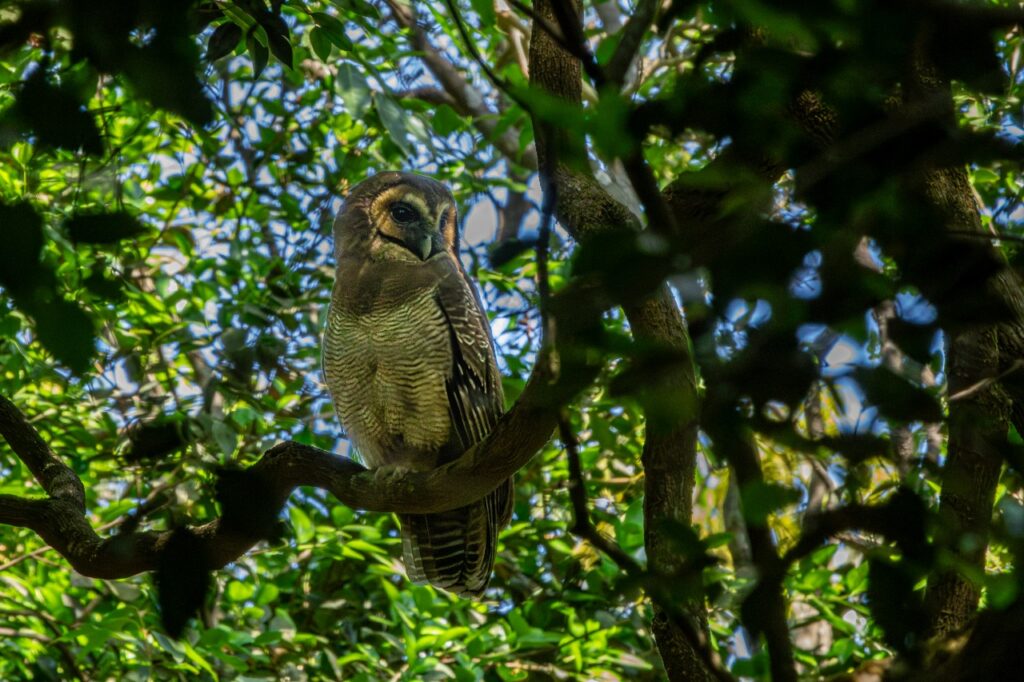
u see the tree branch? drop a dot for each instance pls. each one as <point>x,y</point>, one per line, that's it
<point>632,36</point>
<point>469,100</point>
<point>56,478</point>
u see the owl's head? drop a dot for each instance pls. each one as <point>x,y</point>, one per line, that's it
<point>397,216</point>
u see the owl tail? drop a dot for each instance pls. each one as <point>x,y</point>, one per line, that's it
<point>454,550</point>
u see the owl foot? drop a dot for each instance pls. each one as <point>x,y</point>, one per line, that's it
<point>390,475</point>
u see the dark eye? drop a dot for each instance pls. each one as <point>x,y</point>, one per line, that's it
<point>444,219</point>
<point>403,212</point>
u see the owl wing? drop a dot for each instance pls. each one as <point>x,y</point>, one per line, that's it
<point>475,399</point>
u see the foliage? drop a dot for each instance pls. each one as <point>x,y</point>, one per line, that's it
<point>168,177</point>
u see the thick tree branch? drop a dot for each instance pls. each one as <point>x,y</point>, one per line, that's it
<point>56,478</point>
<point>669,455</point>
<point>283,468</point>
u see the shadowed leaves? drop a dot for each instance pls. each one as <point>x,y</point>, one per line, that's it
<point>897,398</point>
<point>182,580</point>
<point>56,116</point>
<point>102,228</point>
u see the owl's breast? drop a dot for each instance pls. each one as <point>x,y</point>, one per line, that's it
<point>386,367</point>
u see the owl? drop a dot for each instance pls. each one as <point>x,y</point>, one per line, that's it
<point>409,361</point>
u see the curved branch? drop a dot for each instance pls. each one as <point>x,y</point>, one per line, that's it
<point>57,479</point>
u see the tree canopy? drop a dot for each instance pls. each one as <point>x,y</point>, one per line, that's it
<point>753,271</point>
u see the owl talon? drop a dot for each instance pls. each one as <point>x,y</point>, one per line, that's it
<point>388,474</point>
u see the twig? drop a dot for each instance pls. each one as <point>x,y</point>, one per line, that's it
<point>988,381</point>
<point>632,36</point>
<point>457,87</point>
<point>584,528</point>
<point>497,80</point>
<point>582,525</point>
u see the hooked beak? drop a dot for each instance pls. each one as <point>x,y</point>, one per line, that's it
<point>413,238</point>
<point>423,247</point>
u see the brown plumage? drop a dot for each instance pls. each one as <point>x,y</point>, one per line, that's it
<point>409,362</point>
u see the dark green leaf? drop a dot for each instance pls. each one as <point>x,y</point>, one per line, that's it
<point>762,499</point>
<point>223,41</point>
<point>259,53</point>
<point>896,606</point>
<point>504,251</point>
<point>360,7</point>
<point>157,439</point>
<point>281,48</point>
<point>21,233</point>
<point>897,398</point>
<point>56,116</point>
<point>320,43</point>
<point>104,287</point>
<point>102,228</point>
<point>334,30</point>
<point>66,331</point>
<point>243,496</point>
<point>182,579</point>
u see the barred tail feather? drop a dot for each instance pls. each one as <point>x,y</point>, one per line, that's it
<point>455,550</point>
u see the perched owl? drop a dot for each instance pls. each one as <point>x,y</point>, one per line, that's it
<point>409,362</point>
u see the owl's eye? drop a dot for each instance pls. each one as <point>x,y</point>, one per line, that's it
<point>444,220</point>
<point>403,212</point>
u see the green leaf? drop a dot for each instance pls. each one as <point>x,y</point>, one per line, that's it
<point>259,53</point>
<point>225,436</point>
<point>485,10</point>
<point>238,591</point>
<point>446,121</point>
<point>223,41</point>
<point>394,119</point>
<point>281,48</point>
<point>302,524</point>
<point>351,86</point>
<point>334,30</point>
<point>102,228</point>
<point>320,43</point>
